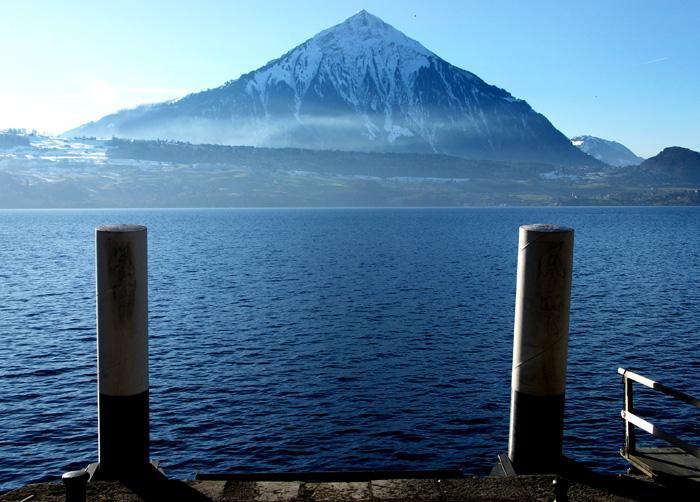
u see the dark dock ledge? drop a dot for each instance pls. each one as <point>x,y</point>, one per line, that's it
<point>575,487</point>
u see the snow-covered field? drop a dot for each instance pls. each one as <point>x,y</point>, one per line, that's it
<point>54,159</point>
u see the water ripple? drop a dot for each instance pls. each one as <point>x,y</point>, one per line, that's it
<point>331,339</point>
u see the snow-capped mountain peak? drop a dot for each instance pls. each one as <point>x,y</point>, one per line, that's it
<point>359,85</point>
<point>363,31</point>
<point>346,53</point>
<point>611,152</point>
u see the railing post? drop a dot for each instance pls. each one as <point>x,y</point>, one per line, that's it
<point>122,352</point>
<point>543,293</point>
<point>630,439</point>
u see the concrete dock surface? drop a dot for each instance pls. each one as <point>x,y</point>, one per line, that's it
<point>515,488</point>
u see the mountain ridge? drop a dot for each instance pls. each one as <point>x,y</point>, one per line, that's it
<point>610,152</point>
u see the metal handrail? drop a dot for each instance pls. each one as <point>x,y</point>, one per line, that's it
<point>632,420</point>
<point>652,384</point>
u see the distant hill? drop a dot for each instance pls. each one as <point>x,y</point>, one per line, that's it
<point>361,85</point>
<point>672,165</point>
<point>607,151</point>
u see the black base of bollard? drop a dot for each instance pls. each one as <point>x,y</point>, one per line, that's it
<point>123,431</point>
<point>536,433</point>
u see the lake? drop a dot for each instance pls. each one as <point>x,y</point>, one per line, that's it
<point>319,339</point>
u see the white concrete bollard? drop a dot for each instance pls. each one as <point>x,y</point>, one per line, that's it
<point>122,351</point>
<point>543,295</point>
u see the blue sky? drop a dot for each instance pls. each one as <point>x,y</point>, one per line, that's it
<point>619,69</point>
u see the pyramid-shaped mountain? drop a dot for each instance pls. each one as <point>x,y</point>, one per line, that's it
<point>361,85</point>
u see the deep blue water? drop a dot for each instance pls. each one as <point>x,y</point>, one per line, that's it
<point>337,339</point>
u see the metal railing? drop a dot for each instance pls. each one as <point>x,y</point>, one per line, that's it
<point>632,420</point>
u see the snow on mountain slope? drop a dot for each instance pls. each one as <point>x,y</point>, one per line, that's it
<point>364,45</point>
<point>610,152</point>
<point>359,85</point>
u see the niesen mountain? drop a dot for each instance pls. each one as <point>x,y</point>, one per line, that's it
<point>359,86</point>
<point>610,152</point>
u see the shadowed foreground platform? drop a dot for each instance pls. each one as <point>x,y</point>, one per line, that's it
<point>518,488</point>
<point>670,465</point>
